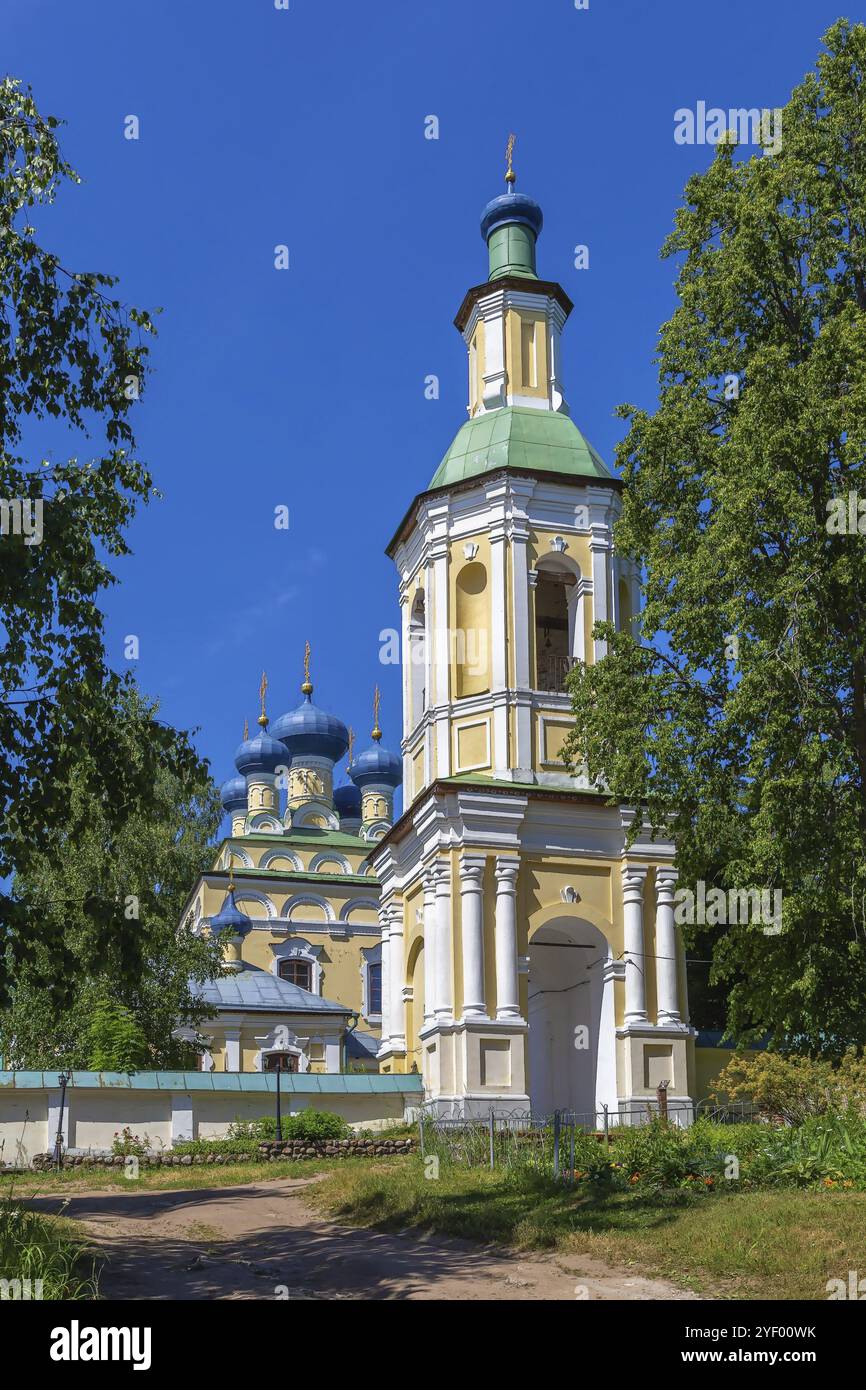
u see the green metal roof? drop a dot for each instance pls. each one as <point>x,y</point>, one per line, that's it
<point>313,1083</point>
<point>519,437</point>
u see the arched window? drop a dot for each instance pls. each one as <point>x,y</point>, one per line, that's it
<point>471,640</point>
<point>297,972</point>
<point>280,1061</point>
<point>552,652</point>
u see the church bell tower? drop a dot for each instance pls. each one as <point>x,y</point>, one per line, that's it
<point>505,563</point>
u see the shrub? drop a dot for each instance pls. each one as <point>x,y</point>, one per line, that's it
<point>792,1089</point>
<point>125,1142</point>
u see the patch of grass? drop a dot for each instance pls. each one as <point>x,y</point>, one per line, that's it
<point>765,1245</point>
<point>47,1251</point>
<point>72,1180</point>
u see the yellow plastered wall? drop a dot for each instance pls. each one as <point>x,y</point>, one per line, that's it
<point>472,744</point>
<point>526,353</point>
<point>709,1063</point>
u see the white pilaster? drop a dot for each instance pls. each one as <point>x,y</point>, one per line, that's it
<point>666,950</point>
<point>499,644</point>
<point>182,1118</point>
<point>396,1003</point>
<point>472,928</point>
<point>599,546</point>
<point>507,994</point>
<point>444,962</point>
<point>429,944</point>
<point>633,878</point>
<point>386,979</point>
<point>233,1049</point>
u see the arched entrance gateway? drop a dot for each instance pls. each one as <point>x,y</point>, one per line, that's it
<point>572,1042</point>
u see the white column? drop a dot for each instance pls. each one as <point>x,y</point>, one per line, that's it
<point>396,1003</point>
<point>507,994</point>
<point>429,910</point>
<point>472,928</point>
<point>386,978</point>
<point>633,878</point>
<point>444,963</point>
<point>599,546</point>
<point>666,949</point>
<point>233,1049</point>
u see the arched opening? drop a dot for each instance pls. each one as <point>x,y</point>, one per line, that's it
<point>572,1063</point>
<point>417,656</point>
<point>554,625</point>
<point>470,641</point>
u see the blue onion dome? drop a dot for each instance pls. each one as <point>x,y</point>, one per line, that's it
<point>311,731</point>
<point>233,794</point>
<point>230,918</point>
<point>508,209</point>
<point>377,765</point>
<point>263,753</point>
<point>347,802</point>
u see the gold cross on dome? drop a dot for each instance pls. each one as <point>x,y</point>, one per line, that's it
<point>510,176</point>
<point>263,687</point>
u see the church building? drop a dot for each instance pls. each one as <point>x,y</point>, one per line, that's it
<point>499,936</point>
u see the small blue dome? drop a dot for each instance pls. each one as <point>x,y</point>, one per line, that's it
<point>347,802</point>
<point>309,730</point>
<point>376,764</point>
<point>261,754</point>
<point>511,207</point>
<point>233,794</point>
<point>230,918</point>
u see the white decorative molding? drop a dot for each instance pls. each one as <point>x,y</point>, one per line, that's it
<point>470,550</point>
<point>307,900</point>
<point>570,895</point>
<point>558,543</point>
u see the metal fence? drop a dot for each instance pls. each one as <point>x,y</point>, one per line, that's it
<point>512,1139</point>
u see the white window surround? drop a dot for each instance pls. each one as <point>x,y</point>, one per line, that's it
<point>281,1039</point>
<point>272,854</point>
<point>353,905</point>
<point>250,895</point>
<point>308,900</point>
<point>328,857</point>
<point>298,949</point>
<point>370,955</point>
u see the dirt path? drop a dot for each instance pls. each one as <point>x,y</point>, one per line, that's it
<point>263,1241</point>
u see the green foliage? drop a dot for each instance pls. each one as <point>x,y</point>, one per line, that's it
<point>114,1038</point>
<point>307,1124</point>
<point>793,1089</point>
<point>73,361</point>
<point>245,1136</point>
<point>736,715</point>
<point>137,967</point>
<point>42,1248</point>
<point>125,1142</point>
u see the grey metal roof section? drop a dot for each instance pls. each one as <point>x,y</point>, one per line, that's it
<point>364,1045</point>
<point>251,989</point>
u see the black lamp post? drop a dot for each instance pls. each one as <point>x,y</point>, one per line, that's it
<point>278,1068</point>
<point>64,1079</point>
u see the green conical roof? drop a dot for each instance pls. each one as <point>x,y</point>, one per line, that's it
<point>519,437</point>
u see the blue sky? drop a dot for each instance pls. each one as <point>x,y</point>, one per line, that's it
<point>305,387</point>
